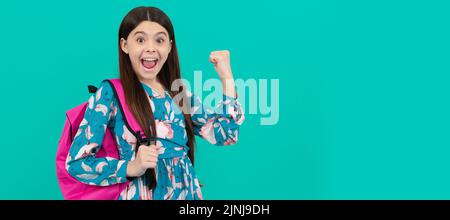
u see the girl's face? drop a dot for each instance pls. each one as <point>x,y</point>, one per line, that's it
<point>148,46</point>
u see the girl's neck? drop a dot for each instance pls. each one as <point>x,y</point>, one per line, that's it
<point>152,83</point>
<point>155,85</point>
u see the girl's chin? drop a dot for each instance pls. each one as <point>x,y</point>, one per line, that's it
<point>148,75</point>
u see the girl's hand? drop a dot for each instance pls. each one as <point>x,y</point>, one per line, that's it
<point>221,61</point>
<point>146,157</point>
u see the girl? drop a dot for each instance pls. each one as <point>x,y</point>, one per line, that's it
<point>148,63</point>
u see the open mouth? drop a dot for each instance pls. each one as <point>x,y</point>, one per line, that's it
<point>149,63</point>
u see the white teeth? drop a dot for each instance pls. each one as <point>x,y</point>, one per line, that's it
<point>150,59</point>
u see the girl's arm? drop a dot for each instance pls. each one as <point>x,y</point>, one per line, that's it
<point>81,162</point>
<point>219,127</point>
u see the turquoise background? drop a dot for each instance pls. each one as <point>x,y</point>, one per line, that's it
<point>364,87</point>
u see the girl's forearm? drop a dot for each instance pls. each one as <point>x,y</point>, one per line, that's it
<point>229,87</point>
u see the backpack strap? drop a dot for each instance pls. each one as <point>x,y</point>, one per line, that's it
<point>129,120</point>
<point>132,125</point>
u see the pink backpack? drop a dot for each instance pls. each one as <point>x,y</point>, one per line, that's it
<point>71,188</point>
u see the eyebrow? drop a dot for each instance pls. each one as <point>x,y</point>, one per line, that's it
<point>142,32</point>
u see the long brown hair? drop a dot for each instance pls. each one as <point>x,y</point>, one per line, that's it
<point>135,94</point>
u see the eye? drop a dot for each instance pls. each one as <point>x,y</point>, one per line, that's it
<point>160,40</point>
<point>140,40</point>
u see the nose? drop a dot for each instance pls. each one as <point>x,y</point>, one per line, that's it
<point>150,48</point>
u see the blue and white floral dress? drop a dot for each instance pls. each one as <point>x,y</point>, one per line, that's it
<point>176,178</point>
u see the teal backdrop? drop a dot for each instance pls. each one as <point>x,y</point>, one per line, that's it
<point>363,100</point>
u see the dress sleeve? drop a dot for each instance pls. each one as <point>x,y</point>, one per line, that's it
<point>219,126</point>
<point>81,161</point>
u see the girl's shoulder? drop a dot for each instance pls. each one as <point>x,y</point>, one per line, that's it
<point>104,94</point>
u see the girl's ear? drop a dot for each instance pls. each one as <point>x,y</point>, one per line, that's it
<point>123,45</point>
<point>170,47</point>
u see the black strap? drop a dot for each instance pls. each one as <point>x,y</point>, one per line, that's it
<point>92,89</point>
<point>150,174</point>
